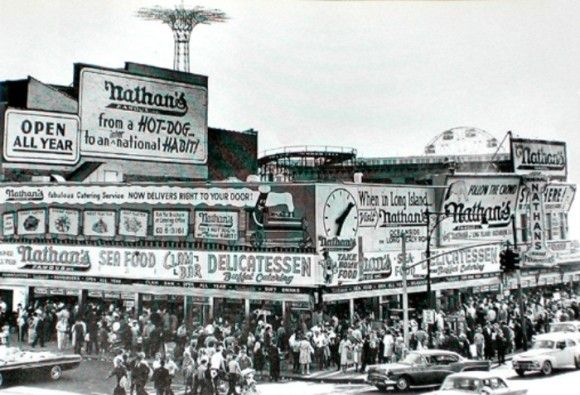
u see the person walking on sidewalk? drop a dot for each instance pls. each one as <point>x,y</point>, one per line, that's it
<point>161,380</point>
<point>79,331</point>
<point>61,334</point>
<point>306,351</point>
<point>274,354</point>
<point>140,374</point>
<point>234,374</point>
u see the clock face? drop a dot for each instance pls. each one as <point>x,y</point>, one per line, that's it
<point>340,214</point>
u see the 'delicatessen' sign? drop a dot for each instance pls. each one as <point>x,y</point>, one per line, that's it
<point>251,268</point>
<point>41,137</point>
<point>135,117</point>
<point>547,157</point>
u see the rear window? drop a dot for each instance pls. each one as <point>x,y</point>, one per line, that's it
<point>563,328</point>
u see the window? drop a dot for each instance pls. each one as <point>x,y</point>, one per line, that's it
<point>561,344</point>
<point>549,226</point>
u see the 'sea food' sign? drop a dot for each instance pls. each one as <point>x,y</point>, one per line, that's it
<point>41,137</point>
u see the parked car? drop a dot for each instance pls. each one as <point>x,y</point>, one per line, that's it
<point>481,383</point>
<point>565,326</point>
<point>427,368</point>
<point>15,362</point>
<point>555,350</point>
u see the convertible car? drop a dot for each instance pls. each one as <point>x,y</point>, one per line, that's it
<point>480,383</point>
<point>14,362</point>
<point>427,368</point>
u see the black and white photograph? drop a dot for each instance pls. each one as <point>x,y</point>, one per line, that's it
<point>271,197</point>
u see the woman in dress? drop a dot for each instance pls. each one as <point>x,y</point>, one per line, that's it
<point>305,358</point>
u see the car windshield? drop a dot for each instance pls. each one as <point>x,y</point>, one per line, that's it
<point>412,358</point>
<point>563,328</point>
<point>460,383</point>
<point>543,344</point>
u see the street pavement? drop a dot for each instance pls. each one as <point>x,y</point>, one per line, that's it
<point>91,379</point>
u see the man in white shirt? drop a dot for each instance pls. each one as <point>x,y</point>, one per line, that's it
<point>389,343</point>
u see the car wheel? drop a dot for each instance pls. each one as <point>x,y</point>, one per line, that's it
<point>382,388</point>
<point>520,372</point>
<point>403,383</point>
<point>547,368</point>
<point>55,373</point>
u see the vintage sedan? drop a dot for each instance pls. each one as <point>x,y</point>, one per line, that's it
<point>15,362</point>
<point>427,368</point>
<point>480,383</point>
<point>554,350</point>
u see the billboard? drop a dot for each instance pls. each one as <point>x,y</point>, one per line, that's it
<point>41,137</point>
<point>86,263</point>
<point>468,200</point>
<point>356,220</point>
<point>547,157</point>
<point>134,117</point>
<point>386,267</point>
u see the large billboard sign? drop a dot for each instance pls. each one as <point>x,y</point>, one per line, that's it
<point>478,208</point>
<point>547,157</point>
<point>386,267</point>
<point>359,228</point>
<point>41,137</point>
<point>134,117</point>
<point>240,268</point>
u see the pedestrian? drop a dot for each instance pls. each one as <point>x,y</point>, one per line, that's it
<point>389,346</point>
<point>79,332</point>
<point>140,374</point>
<point>122,386</point>
<point>274,354</point>
<point>306,351</point>
<point>161,380</point>
<point>234,374</point>
<point>61,334</point>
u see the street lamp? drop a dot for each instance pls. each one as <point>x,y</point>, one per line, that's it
<point>443,216</point>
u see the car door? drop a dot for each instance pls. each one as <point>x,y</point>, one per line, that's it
<point>562,354</point>
<point>423,372</point>
<point>570,352</point>
<point>442,367</point>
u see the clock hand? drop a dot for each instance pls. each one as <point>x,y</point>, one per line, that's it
<point>340,220</point>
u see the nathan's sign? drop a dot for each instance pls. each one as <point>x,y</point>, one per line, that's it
<point>538,249</point>
<point>130,116</point>
<point>155,265</point>
<point>41,137</point>
<point>547,157</point>
<point>478,208</point>
<point>53,258</point>
<point>216,225</point>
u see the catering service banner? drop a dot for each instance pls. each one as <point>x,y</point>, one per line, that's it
<point>532,156</point>
<point>478,208</point>
<point>135,117</point>
<point>276,269</point>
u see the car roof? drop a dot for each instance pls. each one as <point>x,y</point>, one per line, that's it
<point>476,374</point>
<point>577,323</point>
<point>558,336</point>
<point>436,352</point>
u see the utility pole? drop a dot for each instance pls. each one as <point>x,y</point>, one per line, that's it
<point>520,291</point>
<point>405,294</point>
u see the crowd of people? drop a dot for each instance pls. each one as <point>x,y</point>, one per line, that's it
<point>158,345</point>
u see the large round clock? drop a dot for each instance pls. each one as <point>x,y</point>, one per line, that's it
<point>340,214</point>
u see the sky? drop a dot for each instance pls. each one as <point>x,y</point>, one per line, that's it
<point>384,77</point>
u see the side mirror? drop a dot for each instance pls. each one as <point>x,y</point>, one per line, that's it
<point>485,391</point>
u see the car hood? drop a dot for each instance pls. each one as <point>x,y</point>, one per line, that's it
<point>534,353</point>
